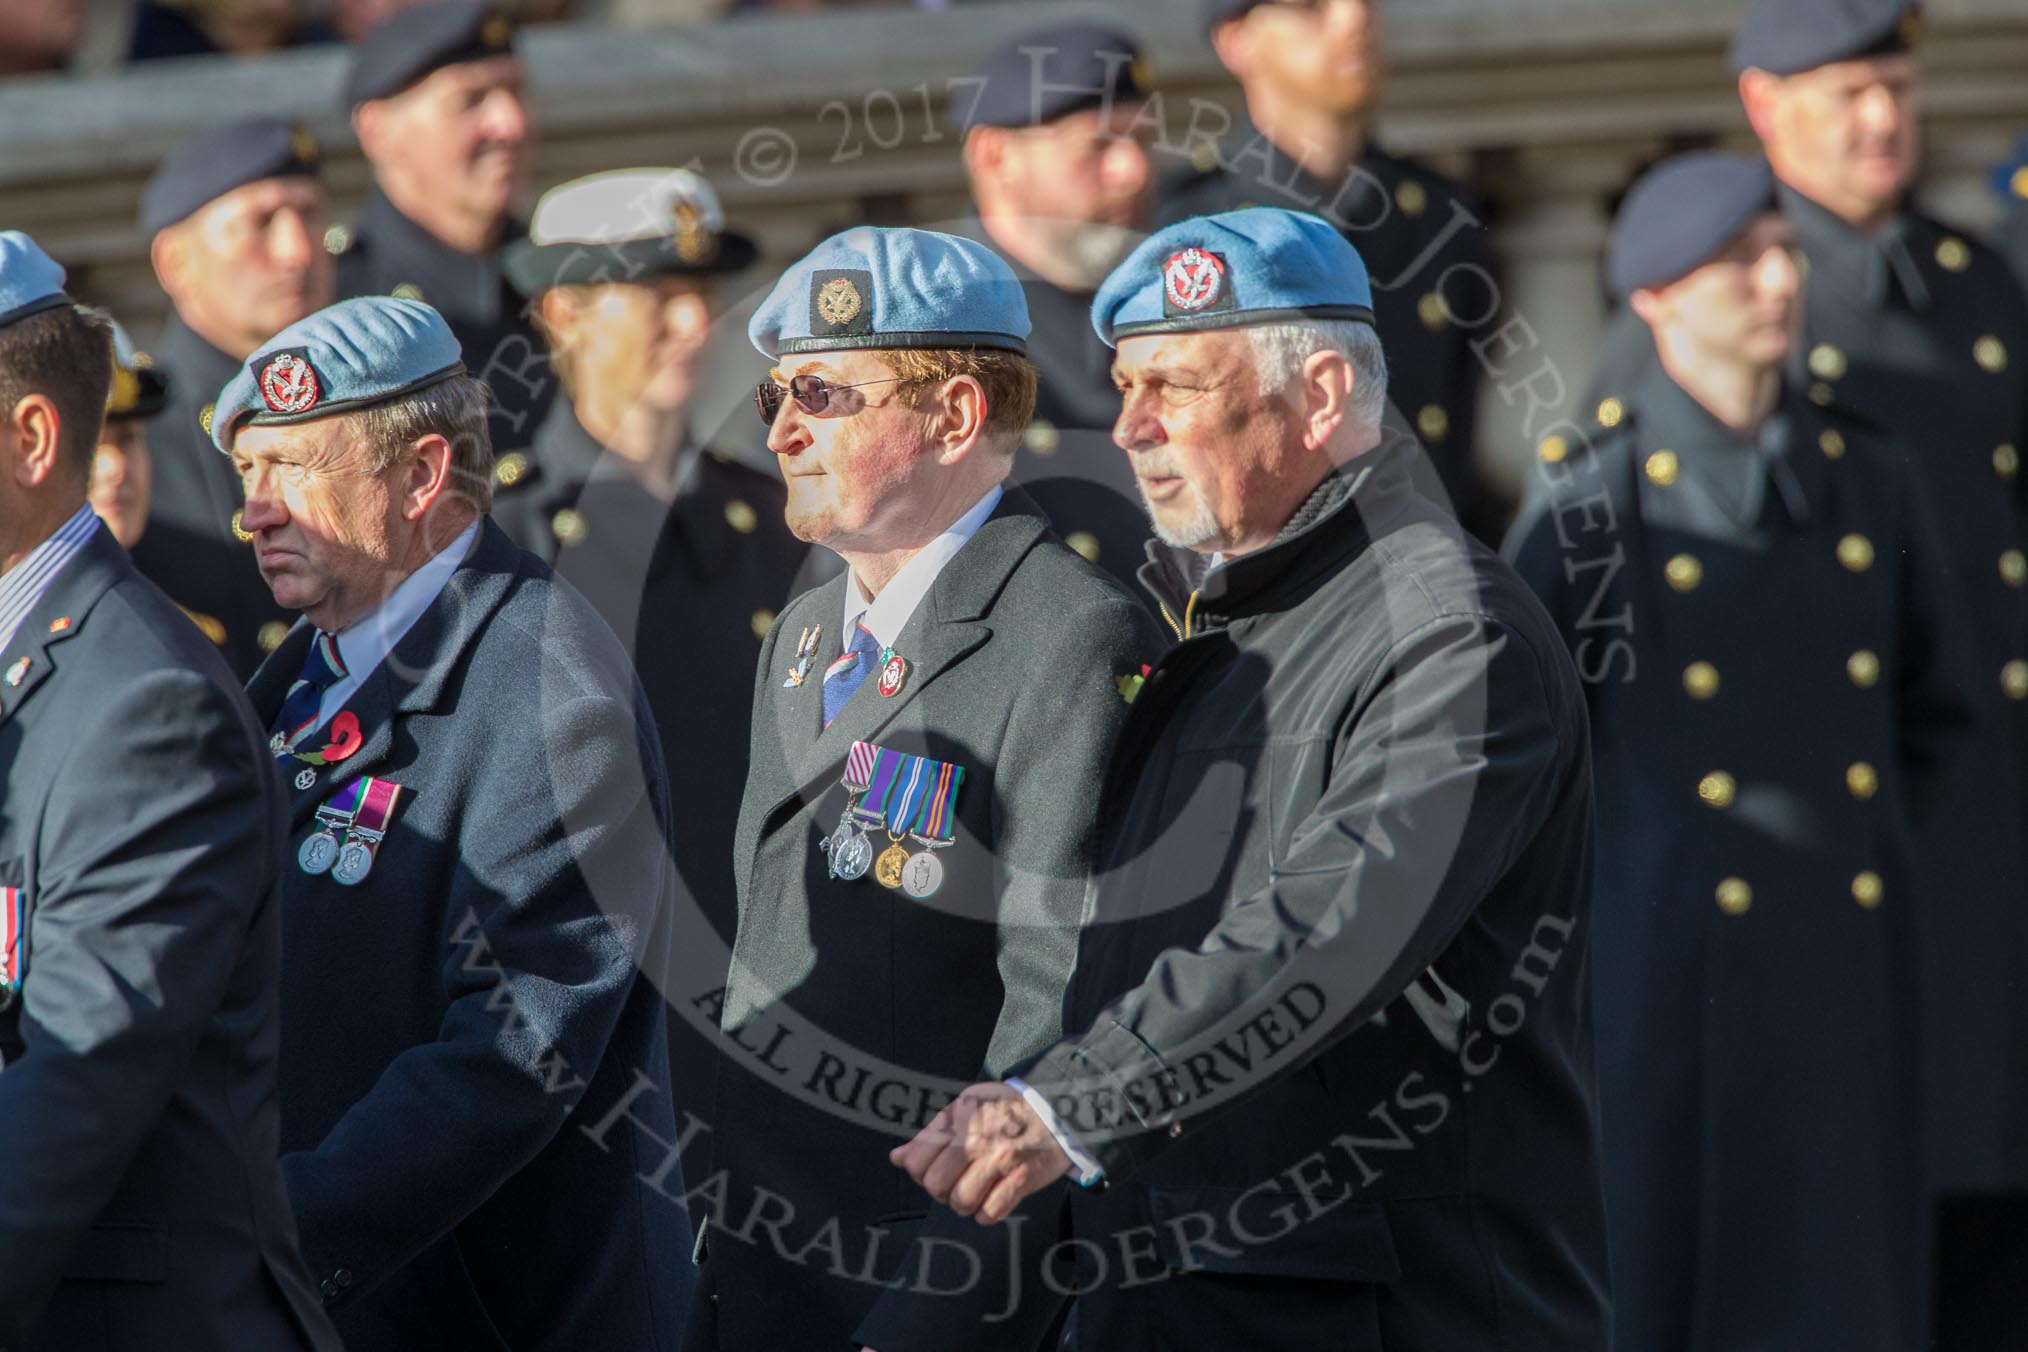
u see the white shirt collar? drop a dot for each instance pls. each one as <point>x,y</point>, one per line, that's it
<point>365,643</point>
<point>886,614</point>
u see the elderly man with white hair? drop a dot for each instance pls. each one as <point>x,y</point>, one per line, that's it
<point>1328,1080</point>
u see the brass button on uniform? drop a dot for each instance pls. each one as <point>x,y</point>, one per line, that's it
<point>2006,461</point>
<point>510,468</point>
<point>406,291</point>
<point>1684,572</point>
<point>1831,443</point>
<point>1204,157</point>
<point>204,417</point>
<point>1953,254</point>
<point>239,532</point>
<point>1553,449</point>
<point>1662,468</point>
<point>1734,896</point>
<point>1085,543</point>
<point>741,516</point>
<point>2013,568</point>
<point>569,527</point>
<point>1867,889</point>
<point>1820,394</point>
<point>1432,311</point>
<point>1827,362</point>
<point>1855,551</point>
<point>763,620</point>
<point>1700,680</point>
<point>1411,197</point>
<point>1862,780</point>
<point>1864,668</point>
<point>1717,789</point>
<point>1610,412</point>
<point>1042,437</point>
<point>2014,679</point>
<point>1991,354</point>
<point>270,635</point>
<point>1433,422</point>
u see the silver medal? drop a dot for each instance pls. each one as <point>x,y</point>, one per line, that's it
<point>922,875</point>
<point>318,853</point>
<point>355,861</point>
<point>852,856</point>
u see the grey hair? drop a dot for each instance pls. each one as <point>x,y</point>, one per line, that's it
<point>454,409</point>
<point>1279,351</point>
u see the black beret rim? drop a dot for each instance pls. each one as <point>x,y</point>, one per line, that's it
<point>1235,319</point>
<point>1098,98</point>
<point>153,223</point>
<point>535,268</point>
<point>1622,285</point>
<point>269,418</point>
<point>1225,13</point>
<point>366,80</point>
<point>875,342</point>
<point>35,307</point>
<point>1883,41</point>
<point>153,397</point>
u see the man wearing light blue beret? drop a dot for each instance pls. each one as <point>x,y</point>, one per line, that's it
<point>141,1205</point>
<point>930,730</point>
<point>1327,1080</point>
<point>477,870</point>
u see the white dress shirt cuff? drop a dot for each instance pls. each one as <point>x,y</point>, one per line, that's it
<point>1087,1169</point>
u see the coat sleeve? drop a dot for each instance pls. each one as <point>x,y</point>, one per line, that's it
<point>158,849</point>
<point>564,877</point>
<point>1450,759</point>
<point>1048,778</point>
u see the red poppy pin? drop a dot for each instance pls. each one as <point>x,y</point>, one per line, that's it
<point>345,739</point>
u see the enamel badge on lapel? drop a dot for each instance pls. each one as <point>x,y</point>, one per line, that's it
<point>893,671</point>
<point>18,673</point>
<point>59,624</point>
<point>806,653</point>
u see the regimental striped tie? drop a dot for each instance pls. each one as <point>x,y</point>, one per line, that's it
<point>322,669</point>
<point>850,671</point>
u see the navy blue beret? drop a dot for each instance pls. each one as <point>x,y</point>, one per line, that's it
<point>1682,212</point>
<point>870,288</point>
<point>139,390</point>
<point>1217,12</point>
<point>213,163</point>
<point>348,356</point>
<point>1051,73</point>
<point>30,280</point>
<point>1787,37</point>
<point>1263,265</point>
<point>415,42</point>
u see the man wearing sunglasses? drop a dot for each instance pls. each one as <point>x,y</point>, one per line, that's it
<point>946,705</point>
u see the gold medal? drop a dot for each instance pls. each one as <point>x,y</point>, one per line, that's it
<point>887,869</point>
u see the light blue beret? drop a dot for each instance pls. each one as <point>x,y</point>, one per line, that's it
<point>30,280</point>
<point>1262,265</point>
<point>877,288</point>
<point>345,357</point>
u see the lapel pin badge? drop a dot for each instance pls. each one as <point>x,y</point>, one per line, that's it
<point>17,673</point>
<point>59,624</point>
<point>893,672</point>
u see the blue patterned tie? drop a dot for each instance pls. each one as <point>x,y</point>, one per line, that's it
<point>850,671</point>
<point>322,669</point>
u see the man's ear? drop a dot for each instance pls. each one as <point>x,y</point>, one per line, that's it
<point>959,423</point>
<point>369,126</point>
<point>1757,89</point>
<point>1327,385</point>
<point>557,311</point>
<point>1234,48</point>
<point>34,439</point>
<point>429,479</point>
<point>169,254</point>
<point>1646,305</point>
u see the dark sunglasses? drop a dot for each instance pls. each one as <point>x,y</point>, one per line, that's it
<point>811,393</point>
